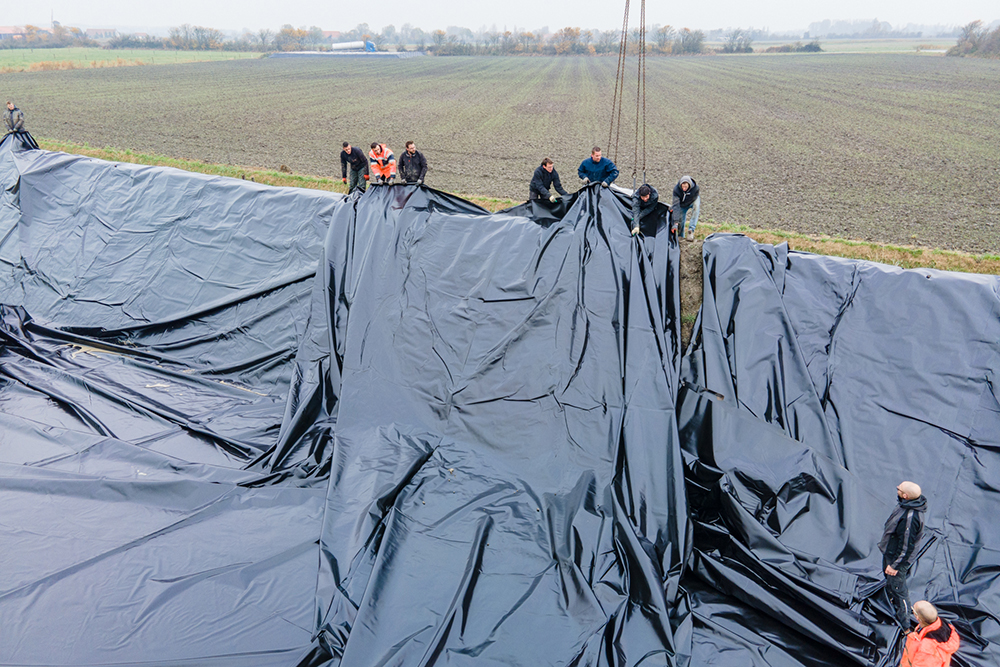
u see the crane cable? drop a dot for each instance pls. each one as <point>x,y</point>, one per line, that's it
<point>640,92</point>
<point>618,99</point>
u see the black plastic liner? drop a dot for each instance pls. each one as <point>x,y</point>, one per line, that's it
<point>813,387</point>
<point>244,425</point>
<point>454,441</point>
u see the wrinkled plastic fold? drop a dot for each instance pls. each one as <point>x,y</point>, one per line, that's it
<point>813,387</point>
<point>247,425</point>
<point>253,425</point>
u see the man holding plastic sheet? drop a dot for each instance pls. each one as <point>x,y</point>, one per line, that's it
<point>546,176</point>
<point>687,196</point>
<point>644,202</point>
<point>597,169</point>
<point>382,163</point>
<point>13,118</point>
<point>412,165</point>
<point>899,546</point>
<point>932,643</point>
<point>355,157</point>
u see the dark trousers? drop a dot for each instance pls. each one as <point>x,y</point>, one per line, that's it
<point>357,180</point>
<point>899,594</point>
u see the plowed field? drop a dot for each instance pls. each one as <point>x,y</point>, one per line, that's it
<point>890,148</point>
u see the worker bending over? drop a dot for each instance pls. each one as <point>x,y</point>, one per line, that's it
<point>355,157</point>
<point>644,202</point>
<point>687,197</point>
<point>597,169</point>
<point>412,165</point>
<point>545,177</point>
<point>382,163</point>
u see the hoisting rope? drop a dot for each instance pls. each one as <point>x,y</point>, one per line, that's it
<point>618,99</point>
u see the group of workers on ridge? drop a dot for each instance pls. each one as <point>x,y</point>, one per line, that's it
<point>599,169</point>
<point>933,641</point>
<point>380,166</point>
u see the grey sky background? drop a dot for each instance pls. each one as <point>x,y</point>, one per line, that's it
<point>781,15</point>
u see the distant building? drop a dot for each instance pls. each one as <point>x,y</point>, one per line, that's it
<point>101,33</point>
<point>10,32</point>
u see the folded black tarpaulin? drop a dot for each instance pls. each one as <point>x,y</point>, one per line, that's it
<point>244,425</point>
<point>252,425</point>
<point>815,385</point>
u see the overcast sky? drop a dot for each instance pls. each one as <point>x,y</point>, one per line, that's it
<point>778,15</point>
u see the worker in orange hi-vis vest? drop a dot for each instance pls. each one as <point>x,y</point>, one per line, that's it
<point>382,163</point>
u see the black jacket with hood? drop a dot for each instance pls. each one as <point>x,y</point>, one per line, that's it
<point>357,159</point>
<point>13,119</point>
<point>645,207</point>
<point>412,168</point>
<point>684,199</point>
<point>542,180</point>
<point>902,532</point>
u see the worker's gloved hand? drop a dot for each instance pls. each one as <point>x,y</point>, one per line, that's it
<point>390,180</point>
<point>586,182</point>
<point>344,180</point>
<point>553,199</point>
<point>635,231</point>
<point>603,184</point>
<point>420,181</point>
<point>378,180</point>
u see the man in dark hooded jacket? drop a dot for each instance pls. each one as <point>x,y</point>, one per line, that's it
<point>644,201</point>
<point>358,161</point>
<point>898,545</point>
<point>687,196</point>
<point>546,176</point>
<point>412,165</point>
<point>13,118</point>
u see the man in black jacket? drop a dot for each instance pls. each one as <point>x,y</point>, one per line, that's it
<point>644,201</point>
<point>13,118</point>
<point>687,196</point>
<point>545,177</point>
<point>899,546</point>
<point>412,166</point>
<point>359,167</point>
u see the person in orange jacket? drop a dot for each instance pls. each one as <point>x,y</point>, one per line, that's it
<point>933,642</point>
<point>382,163</point>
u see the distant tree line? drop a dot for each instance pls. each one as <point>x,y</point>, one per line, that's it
<point>56,37</point>
<point>978,41</point>
<point>454,41</point>
<point>797,47</point>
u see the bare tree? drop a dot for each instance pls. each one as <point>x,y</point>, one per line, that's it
<point>263,38</point>
<point>738,41</point>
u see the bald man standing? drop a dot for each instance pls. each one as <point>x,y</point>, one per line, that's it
<point>899,547</point>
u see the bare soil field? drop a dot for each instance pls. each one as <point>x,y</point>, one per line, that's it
<point>900,149</point>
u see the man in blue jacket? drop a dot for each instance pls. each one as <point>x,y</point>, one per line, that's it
<point>597,169</point>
